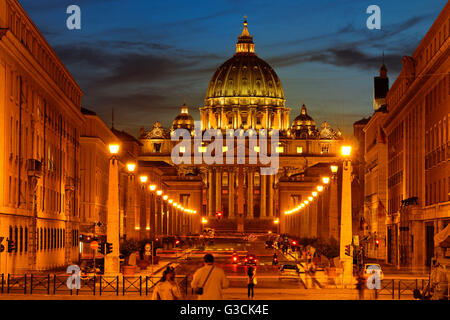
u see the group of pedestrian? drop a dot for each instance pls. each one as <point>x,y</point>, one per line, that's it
<point>208,282</point>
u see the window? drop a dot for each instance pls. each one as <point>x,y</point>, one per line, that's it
<point>157,147</point>
<point>16,237</point>
<point>299,149</point>
<point>325,148</point>
<point>21,240</point>
<point>225,179</point>
<point>257,180</point>
<point>26,239</point>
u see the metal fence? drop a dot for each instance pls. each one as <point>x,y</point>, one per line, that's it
<point>53,284</point>
<point>398,287</point>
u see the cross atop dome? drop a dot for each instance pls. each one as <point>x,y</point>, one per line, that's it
<point>245,43</point>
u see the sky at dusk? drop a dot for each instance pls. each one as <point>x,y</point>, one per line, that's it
<point>144,58</point>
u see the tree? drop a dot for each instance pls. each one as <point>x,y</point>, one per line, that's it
<point>127,247</point>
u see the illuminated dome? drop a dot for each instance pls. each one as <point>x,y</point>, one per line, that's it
<point>304,126</point>
<point>245,79</point>
<point>184,120</point>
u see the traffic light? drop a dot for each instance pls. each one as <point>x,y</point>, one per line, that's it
<point>348,250</point>
<point>101,248</point>
<point>109,247</point>
<point>377,243</point>
<point>177,243</point>
<point>11,246</point>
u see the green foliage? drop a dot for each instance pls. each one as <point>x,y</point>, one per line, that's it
<point>328,248</point>
<point>127,247</point>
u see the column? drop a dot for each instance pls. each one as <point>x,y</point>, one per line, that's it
<point>218,189</point>
<point>231,213</point>
<point>210,193</point>
<point>263,196</point>
<point>333,210</point>
<point>346,222</point>
<point>112,266</point>
<point>152,213</point>
<point>270,197</point>
<point>250,180</point>
<point>165,219</point>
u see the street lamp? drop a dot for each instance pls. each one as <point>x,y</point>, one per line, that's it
<point>346,233</point>
<point>114,149</point>
<point>159,192</point>
<point>314,194</point>
<point>152,187</point>
<point>334,169</point>
<point>310,199</point>
<point>113,215</point>
<point>320,188</point>
<point>326,180</point>
<point>170,201</point>
<point>131,167</point>
<point>165,197</point>
<point>143,179</point>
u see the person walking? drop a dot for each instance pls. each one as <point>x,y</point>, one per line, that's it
<point>209,281</point>
<point>167,289</point>
<point>251,273</point>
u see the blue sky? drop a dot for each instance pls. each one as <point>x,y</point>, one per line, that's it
<point>144,58</point>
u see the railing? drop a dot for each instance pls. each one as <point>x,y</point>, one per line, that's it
<point>397,288</point>
<point>53,284</point>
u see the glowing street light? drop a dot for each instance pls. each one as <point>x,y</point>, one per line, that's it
<point>276,221</point>
<point>334,169</point>
<point>165,197</point>
<point>320,188</point>
<point>346,151</point>
<point>204,220</point>
<point>326,180</point>
<point>310,199</point>
<point>131,166</point>
<point>114,148</point>
<point>143,179</point>
<point>159,192</point>
<point>152,187</point>
<point>314,194</point>
<point>170,201</point>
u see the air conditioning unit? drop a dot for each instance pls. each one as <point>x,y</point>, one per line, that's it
<point>34,167</point>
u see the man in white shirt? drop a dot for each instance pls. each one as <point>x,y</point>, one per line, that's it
<point>211,278</point>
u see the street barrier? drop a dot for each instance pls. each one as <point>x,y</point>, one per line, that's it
<point>53,284</point>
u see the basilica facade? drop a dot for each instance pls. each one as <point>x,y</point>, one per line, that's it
<point>245,94</point>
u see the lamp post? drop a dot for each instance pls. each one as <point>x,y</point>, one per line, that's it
<point>346,216</point>
<point>112,264</point>
<point>143,179</point>
<point>131,211</point>
<point>159,211</point>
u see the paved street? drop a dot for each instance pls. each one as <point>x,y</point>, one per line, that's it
<point>269,286</point>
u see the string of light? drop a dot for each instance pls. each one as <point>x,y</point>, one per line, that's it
<point>310,199</point>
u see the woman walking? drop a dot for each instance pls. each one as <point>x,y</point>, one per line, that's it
<point>167,289</point>
<point>251,273</point>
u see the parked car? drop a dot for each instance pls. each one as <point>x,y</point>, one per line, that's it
<point>290,271</point>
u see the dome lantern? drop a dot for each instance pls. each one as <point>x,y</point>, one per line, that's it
<point>245,43</point>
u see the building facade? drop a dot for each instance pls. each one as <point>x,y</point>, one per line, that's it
<point>40,119</point>
<point>418,172</point>
<point>244,94</point>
